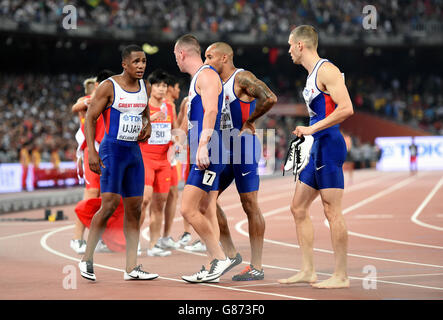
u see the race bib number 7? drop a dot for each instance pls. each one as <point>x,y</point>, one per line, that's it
<point>209,177</point>
<point>129,127</point>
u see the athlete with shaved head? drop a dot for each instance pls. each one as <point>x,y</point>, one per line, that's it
<point>246,99</point>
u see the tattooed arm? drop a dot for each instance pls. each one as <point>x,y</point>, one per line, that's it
<point>247,84</point>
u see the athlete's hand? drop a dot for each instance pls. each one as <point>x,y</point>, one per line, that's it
<point>87,102</point>
<point>159,115</point>
<point>95,163</point>
<point>303,131</point>
<point>248,127</point>
<point>145,133</point>
<point>202,157</point>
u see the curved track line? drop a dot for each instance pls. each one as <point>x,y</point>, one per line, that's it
<point>375,197</point>
<point>239,229</point>
<point>358,186</point>
<point>321,273</point>
<point>417,212</point>
<point>284,195</point>
<point>17,235</point>
<point>43,243</point>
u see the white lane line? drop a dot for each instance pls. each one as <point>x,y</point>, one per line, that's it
<point>417,212</point>
<point>284,185</point>
<point>239,225</point>
<point>17,235</point>
<point>239,229</point>
<point>411,275</point>
<point>323,274</point>
<point>375,197</point>
<point>43,243</point>
<point>257,285</point>
<point>31,223</point>
<point>366,236</point>
<point>261,199</point>
<point>373,216</point>
<point>285,195</point>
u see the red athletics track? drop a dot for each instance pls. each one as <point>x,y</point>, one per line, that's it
<point>395,224</point>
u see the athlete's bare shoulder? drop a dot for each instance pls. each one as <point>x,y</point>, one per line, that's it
<point>329,74</point>
<point>244,78</point>
<point>328,70</point>
<point>208,78</point>
<point>207,74</point>
<point>331,81</point>
<point>103,95</point>
<point>247,84</point>
<point>104,87</point>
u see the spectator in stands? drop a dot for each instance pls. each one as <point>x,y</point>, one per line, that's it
<point>259,19</point>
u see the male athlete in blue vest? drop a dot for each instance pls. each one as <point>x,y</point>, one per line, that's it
<point>123,101</point>
<point>206,155</point>
<point>329,104</point>
<point>246,99</point>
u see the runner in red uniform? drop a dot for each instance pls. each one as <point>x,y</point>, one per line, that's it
<point>167,242</point>
<point>155,159</point>
<point>92,180</point>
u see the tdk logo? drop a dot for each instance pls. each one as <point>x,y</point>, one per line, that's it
<point>133,118</point>
<point>424,149</point>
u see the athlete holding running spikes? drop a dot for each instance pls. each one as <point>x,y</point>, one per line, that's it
<point>329,104</point>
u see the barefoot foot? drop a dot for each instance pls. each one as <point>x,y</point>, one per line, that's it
<point>301,277</point>
<point>333,282</point>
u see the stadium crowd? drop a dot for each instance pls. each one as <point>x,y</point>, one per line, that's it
<point>257,18</point>
<point>36,113</point>
<point>37,109</point>
<point>416,100</point>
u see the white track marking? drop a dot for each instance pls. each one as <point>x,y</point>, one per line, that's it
<point>322,274</point>
<point>31,223</point>
<point>375,197</point>
<point>373,216</point>
<point>239,229</point>
<point>17,235</point>
<point>284,195</point>
<point>255,292</point>
<point>256,285</point>
<point>361,235</point>
<point>417,212</point>
<point>43,243</point>
<point>411,275</point>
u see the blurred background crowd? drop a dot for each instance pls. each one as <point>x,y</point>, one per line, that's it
<point>253,17</point>
<point>399,82</point>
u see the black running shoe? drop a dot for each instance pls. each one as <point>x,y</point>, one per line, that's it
<point>249,274</point>
<point>234,262</point>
